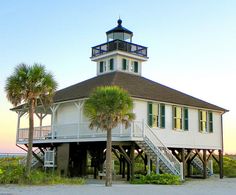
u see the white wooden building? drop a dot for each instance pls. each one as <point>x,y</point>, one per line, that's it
<point>172,130</point>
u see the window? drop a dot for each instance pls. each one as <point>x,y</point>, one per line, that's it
<point>124,64</point>
<point>101,66</point>
<point>180,118</point>
<point>177,117</point>
<point>156,115</point>
<point>111,64</point>
<point>136,66</point>
<point>205,121</point>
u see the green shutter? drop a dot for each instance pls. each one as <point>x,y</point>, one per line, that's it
<point>111,64</point>
<point>210,118</point>
<point>124,64</point>
<point>162,116</point>
<point>135,66</point>
<point>150,114</point>
<point>101,66</point>
<point>186,119</point>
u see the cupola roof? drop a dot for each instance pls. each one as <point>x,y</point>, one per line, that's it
<point>119,28</point>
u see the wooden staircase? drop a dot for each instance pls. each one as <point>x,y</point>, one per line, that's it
<point>197,163</point>
<point>159,153</point>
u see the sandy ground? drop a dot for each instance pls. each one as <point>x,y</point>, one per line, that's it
<point>212,186</point>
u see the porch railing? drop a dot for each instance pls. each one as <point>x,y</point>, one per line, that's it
<point>79,130</point>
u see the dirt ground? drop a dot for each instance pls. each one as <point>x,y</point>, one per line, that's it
<point>212,186</point>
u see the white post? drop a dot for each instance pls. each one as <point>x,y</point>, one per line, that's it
<point>54,109</point>
<point>158,166</point>
<point>78,106</point>
<point>149,165</point>
<point>143,127</point>
<point>211,167</point>
<point>18,126</point>
<point>181,171</point>
<point>121,131</point>
<point>131,130</point>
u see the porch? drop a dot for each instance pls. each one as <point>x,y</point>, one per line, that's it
<point>80,132</point>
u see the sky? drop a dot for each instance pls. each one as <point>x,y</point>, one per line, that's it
<point>191,47</point>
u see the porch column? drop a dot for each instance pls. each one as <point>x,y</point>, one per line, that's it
<point>41,117</point>
<point>157,165</point>
<point>132,160</point>
<point>204,165</point>
<point>54,109</point>
<point>183,161</point>
<point>123,167</point>
<point>79,107</point>
<point>221,164</point>
<point>149,165</point>
<point>20,114</point>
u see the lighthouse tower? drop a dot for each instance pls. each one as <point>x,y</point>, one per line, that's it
<point>119,53</point>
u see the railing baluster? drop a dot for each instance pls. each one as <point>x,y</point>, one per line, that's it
<point>119,45</point>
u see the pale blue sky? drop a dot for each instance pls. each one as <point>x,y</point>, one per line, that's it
<point>191,46</point>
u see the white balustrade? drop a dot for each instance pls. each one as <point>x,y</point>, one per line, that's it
<point>80,130</point>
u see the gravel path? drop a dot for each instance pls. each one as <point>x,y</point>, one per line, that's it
<point>212,186</point>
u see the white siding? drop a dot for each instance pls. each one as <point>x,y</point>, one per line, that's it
<point>180,138</point>
<point>67,113</point>
<point>118,64</point>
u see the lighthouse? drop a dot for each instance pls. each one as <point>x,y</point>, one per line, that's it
<point>119,53</point>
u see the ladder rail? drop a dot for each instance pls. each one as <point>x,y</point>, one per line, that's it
<point>164,150</point>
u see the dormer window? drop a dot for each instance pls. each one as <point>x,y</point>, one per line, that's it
<point>124,64</point>
<point>111,64</point>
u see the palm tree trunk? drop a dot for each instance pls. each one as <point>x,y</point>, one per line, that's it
<point>30,138</point>
<point>108,159</point>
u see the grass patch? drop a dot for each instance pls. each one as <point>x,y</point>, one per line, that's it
<point>162,179</point>
<point>13,173</point>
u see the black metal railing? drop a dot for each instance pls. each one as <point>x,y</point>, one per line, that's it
<point>119,45</point>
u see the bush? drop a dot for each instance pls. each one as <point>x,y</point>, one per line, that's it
<point>229,166</point>
<point>10,172</point>
<point>13,173</point>
<point>164,179</point>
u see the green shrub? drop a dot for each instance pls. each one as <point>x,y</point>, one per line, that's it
<point>164,179</point>
<point>13,173</point>
<point>229,166</point>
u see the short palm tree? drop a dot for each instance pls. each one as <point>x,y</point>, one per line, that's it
<point>30,85</point>
<point>107,107</point>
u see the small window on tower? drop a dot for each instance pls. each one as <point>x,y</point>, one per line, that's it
<point>124,64</point>
<point>111,64</point>
<point>101,66</point>
<point>136,66</point>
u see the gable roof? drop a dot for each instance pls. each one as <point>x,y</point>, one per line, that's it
<point>137,86</point>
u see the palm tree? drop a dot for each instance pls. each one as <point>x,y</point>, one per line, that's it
<point>107,107</point>
<point>30,85</point>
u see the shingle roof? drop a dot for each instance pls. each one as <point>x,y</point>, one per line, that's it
<point>137,86</point>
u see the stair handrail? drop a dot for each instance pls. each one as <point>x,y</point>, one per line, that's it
<point>33,160</point>
<point>162,147</point>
